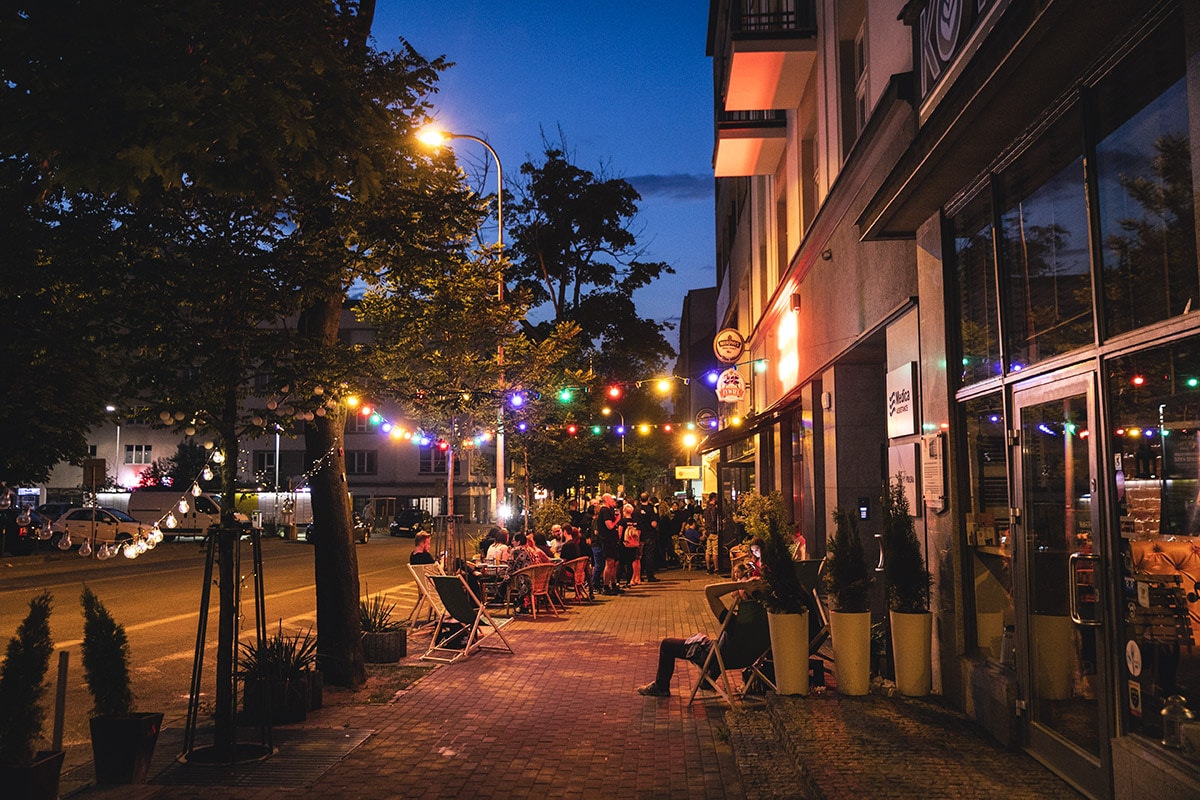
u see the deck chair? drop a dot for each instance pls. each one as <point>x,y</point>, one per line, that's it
<point>425,597</point>
<point>575,577</point>
<point>743,643</point>
<point>538,576</point>
<point>464,626</point>
<point>690,554</point>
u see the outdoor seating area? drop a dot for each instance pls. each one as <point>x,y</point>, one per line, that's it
<point>690,554</point>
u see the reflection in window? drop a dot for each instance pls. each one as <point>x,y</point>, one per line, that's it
<point>1144,174</point>
<point>1044,247</point>
<point>1154,397</point>
<point>987,526</point>
<point>975,272</point>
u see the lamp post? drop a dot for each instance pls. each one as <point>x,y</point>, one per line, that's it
<point>606,411</point>
<point>435,138</point>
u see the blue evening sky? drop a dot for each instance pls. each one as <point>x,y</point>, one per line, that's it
<point>628,84</point>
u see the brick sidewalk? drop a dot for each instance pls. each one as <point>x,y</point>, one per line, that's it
<point>560,719</point>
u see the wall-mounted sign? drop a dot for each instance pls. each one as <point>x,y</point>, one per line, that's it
<point>731,386</point>
<point>933,472</point>
<point>902,401</point>
<point>706,419</point>
<point>687,473</point>
<point>728,345</point>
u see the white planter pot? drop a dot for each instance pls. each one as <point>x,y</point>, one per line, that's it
<point>789,652</point>
<point>851,651</point>
<point>912,645</point>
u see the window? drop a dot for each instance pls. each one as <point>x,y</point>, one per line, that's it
<point>138,454</point>
<point>974,267</point>
<point>91,451</point>
<point>357,423</point>
<point>860,80</point>
<point>264,461</point>
<point>433,461</point>
<point>1043,244</point>
<point>1144,180</point>
<point>360,462</point>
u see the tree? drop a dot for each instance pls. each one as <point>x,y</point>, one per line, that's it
<point>575,250</point>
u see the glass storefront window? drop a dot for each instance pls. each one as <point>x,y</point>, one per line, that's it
<point>1044,247</point>
<point>1154,401</point>
<point>975,273</point>
<point>987,527</point>
<point>1144,179</point>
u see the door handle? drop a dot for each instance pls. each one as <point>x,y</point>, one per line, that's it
<point>1073,588</point>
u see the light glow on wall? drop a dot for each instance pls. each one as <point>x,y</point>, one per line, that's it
<point>789,362</point>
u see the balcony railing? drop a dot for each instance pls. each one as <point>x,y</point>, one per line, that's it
<point>773,17</point>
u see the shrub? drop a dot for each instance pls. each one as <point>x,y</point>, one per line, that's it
<point>105,659</point>
<point>904,571</point>
<point>847,575</point>
<point>279,658</point>
<point>23,684</point>
<point>375,615</point>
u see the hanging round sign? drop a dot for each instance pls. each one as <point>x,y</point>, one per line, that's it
<point>731,387</point>
<point>728,345</point>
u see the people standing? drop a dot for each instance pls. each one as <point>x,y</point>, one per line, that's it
<point>631,541</point>
<point>610,541</point>
<point>647,521</point>
<point>712,539</point>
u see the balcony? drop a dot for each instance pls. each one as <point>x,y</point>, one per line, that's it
<point>749,143</point>
<point>766,49</point>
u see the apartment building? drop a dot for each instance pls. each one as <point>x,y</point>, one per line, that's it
<point>960,236</point>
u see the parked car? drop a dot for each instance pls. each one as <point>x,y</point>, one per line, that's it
<point>151,505</point>
<point>407,522</point>
<point>53,511</point>
<point>101,525</point>
<point>21,539</point>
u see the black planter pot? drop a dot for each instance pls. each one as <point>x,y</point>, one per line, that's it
<point>387,647</point>
<point>282,702</point>
<point>123,746</point>
<point>38,781</point>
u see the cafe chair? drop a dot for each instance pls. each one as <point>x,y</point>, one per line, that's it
<point>690,554</point>
<point>538,578</point>
<point>425,596</point>
<point>576,577</point>
<point>464,625</point>
<point>741,648</point>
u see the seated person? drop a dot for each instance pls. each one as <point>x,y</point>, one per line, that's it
<point>499,551</point>
<point>692,534</point>
<point>420,553</point>
<point>542,543</point>
<point>752,566</point>
<point>695,648</point>
<point>572,548</point>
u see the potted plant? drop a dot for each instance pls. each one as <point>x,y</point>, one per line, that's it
<point>122,741</point>
<point>848,581</point>
<point>765,518</point>
<point>278,676</point>
<point>26,772</point>
<point>907,580</point>
<point>384,639</point>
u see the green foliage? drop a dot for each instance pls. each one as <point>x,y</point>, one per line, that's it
<point>105,659</point>
<point>23,684</point>
<point>279,658</point>
<point>574,249</point>
<point>847,574</point>
<point>375,615</point>
<point>760,513</point>
<point>765,516</point>
<point>904,571</point>
<point>550,513</point>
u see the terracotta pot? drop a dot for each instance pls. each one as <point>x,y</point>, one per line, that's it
<point>851,632</point>
<point>123,746</point>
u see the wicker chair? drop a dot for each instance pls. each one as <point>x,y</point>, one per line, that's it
<point>538,577</point>
<point>690,554</point>
<point>575,572</point>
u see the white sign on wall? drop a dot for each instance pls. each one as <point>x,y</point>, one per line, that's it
<point>902,401</point>
<point>731,386</point>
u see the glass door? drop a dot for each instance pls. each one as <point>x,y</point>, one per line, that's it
<point>732,480</point>
<point>1062,658</point>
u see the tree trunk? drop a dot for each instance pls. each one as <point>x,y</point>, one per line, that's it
<point>225,708</point>
<point>339,647</point>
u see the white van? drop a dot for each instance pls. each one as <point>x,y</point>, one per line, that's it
<point>150,506</point>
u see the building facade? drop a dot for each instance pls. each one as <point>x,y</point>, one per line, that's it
<point>962,236</point>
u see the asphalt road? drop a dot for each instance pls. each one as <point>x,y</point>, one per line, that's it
<point>157,598</point>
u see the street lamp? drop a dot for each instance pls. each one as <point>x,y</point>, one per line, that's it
<point>621,430</point>
<point>435,138</point>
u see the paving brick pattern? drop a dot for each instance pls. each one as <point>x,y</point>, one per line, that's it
<point>559,718</point>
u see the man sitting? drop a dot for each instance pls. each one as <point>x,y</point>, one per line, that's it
<point>420,553</point>
<point>695,648</point>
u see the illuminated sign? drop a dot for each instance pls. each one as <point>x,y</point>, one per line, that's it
<point>728,345</point>
<point>731,386</point>
<point>901,401</point>
<point>788,360</point>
